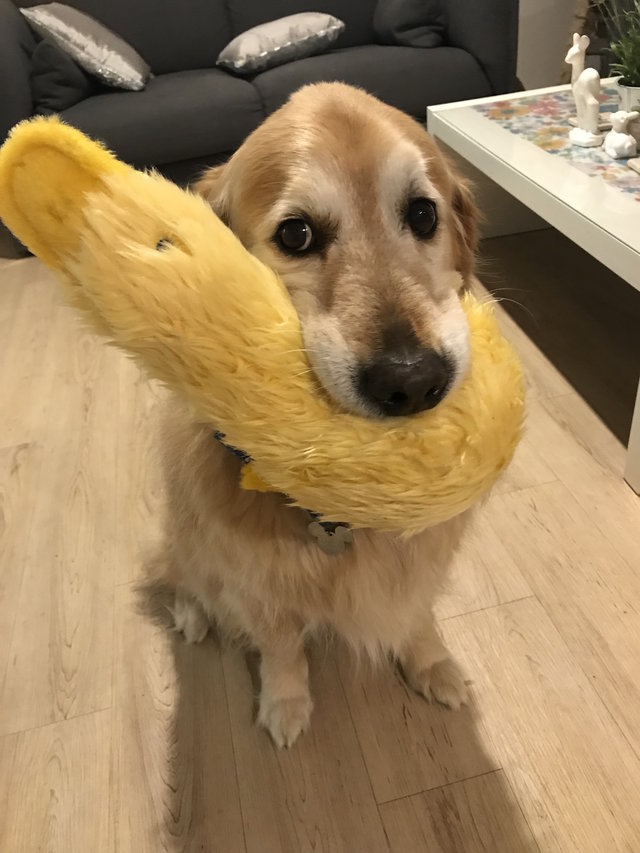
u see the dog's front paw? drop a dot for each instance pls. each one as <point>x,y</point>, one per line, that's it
<point>442,681</point>
<point>285,719</point>
<point>190,619</point>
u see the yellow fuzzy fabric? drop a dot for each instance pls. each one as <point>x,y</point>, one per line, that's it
<point>200,313</point>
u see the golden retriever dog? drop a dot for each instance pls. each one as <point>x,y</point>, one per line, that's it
<point>353,205</point>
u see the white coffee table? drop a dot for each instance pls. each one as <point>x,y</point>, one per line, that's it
<point>597,216</point>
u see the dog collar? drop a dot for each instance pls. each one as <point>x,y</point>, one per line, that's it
<point>331,537</point>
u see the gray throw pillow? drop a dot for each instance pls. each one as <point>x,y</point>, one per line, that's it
<point>412,23</point>
<point>94,47</point>
<point>277,42</point>
<point>57,82</point>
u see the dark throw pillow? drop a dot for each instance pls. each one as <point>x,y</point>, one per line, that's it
<point>57,82</point>
<point>412,23</point>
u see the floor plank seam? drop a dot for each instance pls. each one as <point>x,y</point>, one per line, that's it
<point>515,489</point>
<point>5,673</point>
<point>615,473</point>
<point>32,509</point>
<point>16,732</point>
<point>589,678</point>
<point>384,829</point>
<point>633,747</point>
<point>559,394</point>
<point>440,787</point>
<point>488,607</point>
<point>593,684</point>
<point>362,752</point>
<point>522,814</point>
<point>233,750</point>
<point>595,519</point>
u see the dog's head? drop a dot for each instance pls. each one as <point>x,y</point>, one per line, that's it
<point>372,233</point>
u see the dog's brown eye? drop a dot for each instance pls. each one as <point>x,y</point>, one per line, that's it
<point>422,217</point>
<point>294,236</point>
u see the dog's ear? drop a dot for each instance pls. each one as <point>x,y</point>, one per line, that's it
<point>212,186</point>
<point>466,218</point>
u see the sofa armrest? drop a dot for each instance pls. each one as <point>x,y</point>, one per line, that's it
<point>16,45</point>
<point>488,30</point>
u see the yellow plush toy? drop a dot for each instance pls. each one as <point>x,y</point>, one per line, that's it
<point>155,270</point>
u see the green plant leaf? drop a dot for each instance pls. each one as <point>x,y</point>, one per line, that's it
<point>623,23</point>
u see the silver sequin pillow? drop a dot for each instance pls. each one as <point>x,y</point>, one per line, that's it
<point>94,47</point>
<point>277,42</point>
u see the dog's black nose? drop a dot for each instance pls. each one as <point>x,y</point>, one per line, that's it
<point>406,382</point>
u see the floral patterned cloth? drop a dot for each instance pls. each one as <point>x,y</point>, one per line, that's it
<point>544,120</point>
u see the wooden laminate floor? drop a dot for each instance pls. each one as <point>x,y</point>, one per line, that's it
<point>114,736</point>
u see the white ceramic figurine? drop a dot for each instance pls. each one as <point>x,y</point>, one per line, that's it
<point>619,142</point>
<point>585,84</point>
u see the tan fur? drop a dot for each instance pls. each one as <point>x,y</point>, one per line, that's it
<point>244,559</point>
<point>342,136</point>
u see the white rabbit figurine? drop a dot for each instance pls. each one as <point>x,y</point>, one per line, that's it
<point>619,142</point>
<point>585,84</point>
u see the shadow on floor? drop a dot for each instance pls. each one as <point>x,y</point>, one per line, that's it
<point>215,781</point>
<point>584,318</point>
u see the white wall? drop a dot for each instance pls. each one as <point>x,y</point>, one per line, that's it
<point>544,31</point>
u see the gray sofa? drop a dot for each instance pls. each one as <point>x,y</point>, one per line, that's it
<point>192,114</point>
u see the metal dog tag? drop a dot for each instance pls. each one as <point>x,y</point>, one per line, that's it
<point>332,539</point>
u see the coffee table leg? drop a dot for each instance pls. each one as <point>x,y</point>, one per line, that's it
<point>632,469</point>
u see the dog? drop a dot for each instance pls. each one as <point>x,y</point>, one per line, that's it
<point>352,203</point>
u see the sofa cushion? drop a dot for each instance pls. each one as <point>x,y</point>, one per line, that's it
<point>409,78</point>
<point>356,14</point>
<point>412,23</point>
<point>178,116</point>
<point>171,35</point>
